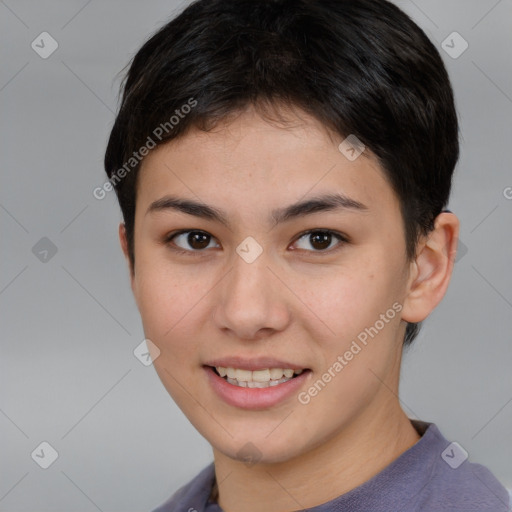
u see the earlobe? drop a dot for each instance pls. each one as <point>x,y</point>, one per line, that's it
<point>432,269</point>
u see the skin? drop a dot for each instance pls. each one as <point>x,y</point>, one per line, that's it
<point>296,302</point>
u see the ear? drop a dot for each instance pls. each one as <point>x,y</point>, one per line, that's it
<point>124,246</point>
<point>432,269</point>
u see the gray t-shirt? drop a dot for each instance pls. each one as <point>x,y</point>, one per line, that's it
<point>431,476</point>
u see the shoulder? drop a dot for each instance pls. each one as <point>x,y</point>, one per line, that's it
<point>193,495</point>
<point>456,484</point>
<point>436,475</point>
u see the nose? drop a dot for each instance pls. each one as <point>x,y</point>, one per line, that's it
<point>252,301</point>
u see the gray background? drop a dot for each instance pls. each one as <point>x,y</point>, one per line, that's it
<point>68,375</point>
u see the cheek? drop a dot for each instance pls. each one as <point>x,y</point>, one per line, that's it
<point>361,352</point>
<point>356,304</point>
<point>348,300</point>
<point>169,308</point>
<point>169,302</point>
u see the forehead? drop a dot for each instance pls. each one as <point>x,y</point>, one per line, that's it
<point>249,163</point>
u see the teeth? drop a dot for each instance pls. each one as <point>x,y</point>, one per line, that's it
<point>276,373</point>
<point>258,378</point>
<point>244,375</point>
<point>254,384</point>
<point>260,375</point>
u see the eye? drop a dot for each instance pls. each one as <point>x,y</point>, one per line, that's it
<point>197,240</point>
<point>321,240</point>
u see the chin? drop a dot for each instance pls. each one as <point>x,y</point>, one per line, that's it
<point>259,449</point>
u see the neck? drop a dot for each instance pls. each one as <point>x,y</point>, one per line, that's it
<point>348,459</point>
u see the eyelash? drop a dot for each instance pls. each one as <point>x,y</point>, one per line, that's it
<point>342,239</point>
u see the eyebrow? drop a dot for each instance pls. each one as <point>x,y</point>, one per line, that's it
<point>323,203</point>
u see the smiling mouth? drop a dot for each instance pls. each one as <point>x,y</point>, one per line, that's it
<point>264,378</point>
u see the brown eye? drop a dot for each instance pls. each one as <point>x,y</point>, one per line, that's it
<point>195,242</point>
<point>190,241</point>
<point>321,240</point>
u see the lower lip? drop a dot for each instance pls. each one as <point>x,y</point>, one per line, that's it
<point>254,398</point>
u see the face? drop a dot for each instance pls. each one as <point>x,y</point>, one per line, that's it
<point>255,286</point>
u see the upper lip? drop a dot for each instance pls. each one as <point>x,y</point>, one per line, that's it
<point>255,363</point>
